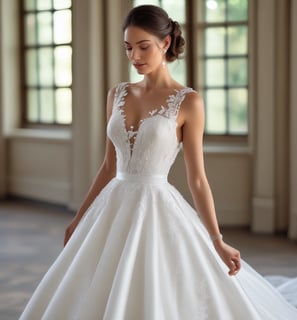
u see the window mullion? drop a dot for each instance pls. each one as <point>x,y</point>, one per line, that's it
<point>225,63</point>
<point>44,104</point>
<point>53,66</point>
<point>226,71</point>
<point>37,50</point>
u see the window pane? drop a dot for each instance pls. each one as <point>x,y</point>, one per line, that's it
<point>30,25</point>
<point>175,9</point>
<point>62,4</point>
<point>63,76</point>
<point>32,105</point>
<point>64,104</point>
<point>47,106</point>
<point>215,41</point>
<point>62,26</point>
<point>237,40</point>
<point>215,10</point>
<point>178,71</point>
<point>215,72</point>
<point>216,112</point>
<point>29,5</point>
<point>44,28</point>
<point>31,70</point>
<point>225,65</point>
<point>47,34</point>
<point>237,10</point>
<point>237,72</point>
<point>238,117</point>
<point>141,2</point>
<point>45,59</point>
<point>44,4</point>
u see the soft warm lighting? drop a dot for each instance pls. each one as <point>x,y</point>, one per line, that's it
<point>211,4</point>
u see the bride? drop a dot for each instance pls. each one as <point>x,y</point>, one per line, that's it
<point>136,250</point>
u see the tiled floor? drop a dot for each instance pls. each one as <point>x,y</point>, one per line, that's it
<point>31,237</point>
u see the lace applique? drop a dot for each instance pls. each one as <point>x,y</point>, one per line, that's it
<point>171,111</point>
<point>151,147</point>
<point>153,112</point>
<point>120,93</point>
<point>173,103</point>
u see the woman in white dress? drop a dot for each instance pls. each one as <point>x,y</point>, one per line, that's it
<point>136,250</point>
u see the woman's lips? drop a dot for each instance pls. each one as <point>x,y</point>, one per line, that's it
<point>139,65</point>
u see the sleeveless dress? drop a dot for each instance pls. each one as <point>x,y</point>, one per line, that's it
<point>141,252</point>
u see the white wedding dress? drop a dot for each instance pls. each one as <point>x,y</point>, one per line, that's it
<point>141,252</point>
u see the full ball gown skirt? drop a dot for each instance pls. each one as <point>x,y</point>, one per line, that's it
<point>141,252</point>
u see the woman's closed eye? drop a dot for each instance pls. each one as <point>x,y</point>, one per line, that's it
<point>141,48</point>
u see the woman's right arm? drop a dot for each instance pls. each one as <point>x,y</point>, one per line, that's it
<point>105,174</point>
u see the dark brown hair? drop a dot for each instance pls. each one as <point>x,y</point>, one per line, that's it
<point>156,21</point>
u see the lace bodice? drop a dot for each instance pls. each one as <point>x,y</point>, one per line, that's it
<point>153,147</point>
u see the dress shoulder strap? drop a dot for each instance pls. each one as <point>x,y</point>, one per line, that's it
<point>175,101</point>
<point>120,94</point>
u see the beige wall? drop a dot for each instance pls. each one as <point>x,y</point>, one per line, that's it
<point>229,174</point>
<point>89,95</point>
<point>251,181</point>
<point>38,166</point>
<point>272,114</point>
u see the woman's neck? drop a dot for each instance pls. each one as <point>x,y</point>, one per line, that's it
<point>158,79</point>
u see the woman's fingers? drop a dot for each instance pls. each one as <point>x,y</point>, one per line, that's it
<point>234,265</point>
<point>230,256</point>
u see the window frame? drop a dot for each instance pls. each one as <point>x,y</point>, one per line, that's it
<point>198,71</point>
<point>194,67</point>
<point>25,87</point>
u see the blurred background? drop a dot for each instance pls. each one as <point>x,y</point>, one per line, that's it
<point>58,58</point>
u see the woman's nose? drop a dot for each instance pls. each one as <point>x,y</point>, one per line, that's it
<point>134,54</point>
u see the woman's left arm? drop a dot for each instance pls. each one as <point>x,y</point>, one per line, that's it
<point>192,118</point>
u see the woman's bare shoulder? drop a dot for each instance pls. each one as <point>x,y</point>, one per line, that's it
<point>193,102</point>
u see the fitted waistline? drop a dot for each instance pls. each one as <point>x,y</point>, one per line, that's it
<point>152,178</point>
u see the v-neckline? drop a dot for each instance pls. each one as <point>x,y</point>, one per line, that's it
<point>150,114</point>
<point>132,134</point>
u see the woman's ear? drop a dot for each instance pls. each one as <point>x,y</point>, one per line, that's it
<point>166,42</point>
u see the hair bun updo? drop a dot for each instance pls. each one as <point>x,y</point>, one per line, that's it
<point>156,21</point>
<point>177,42</point>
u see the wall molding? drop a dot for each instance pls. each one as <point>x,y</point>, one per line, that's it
<point>263,215</point>
<point>42,189</point>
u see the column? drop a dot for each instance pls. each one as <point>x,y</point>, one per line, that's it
<point>263,204</point>
<point>293,125</point>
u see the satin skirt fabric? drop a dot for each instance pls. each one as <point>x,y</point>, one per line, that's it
<point>142,253</point>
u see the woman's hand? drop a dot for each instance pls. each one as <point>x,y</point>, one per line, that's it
<point>69,230</point>
<point>229,255</point>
